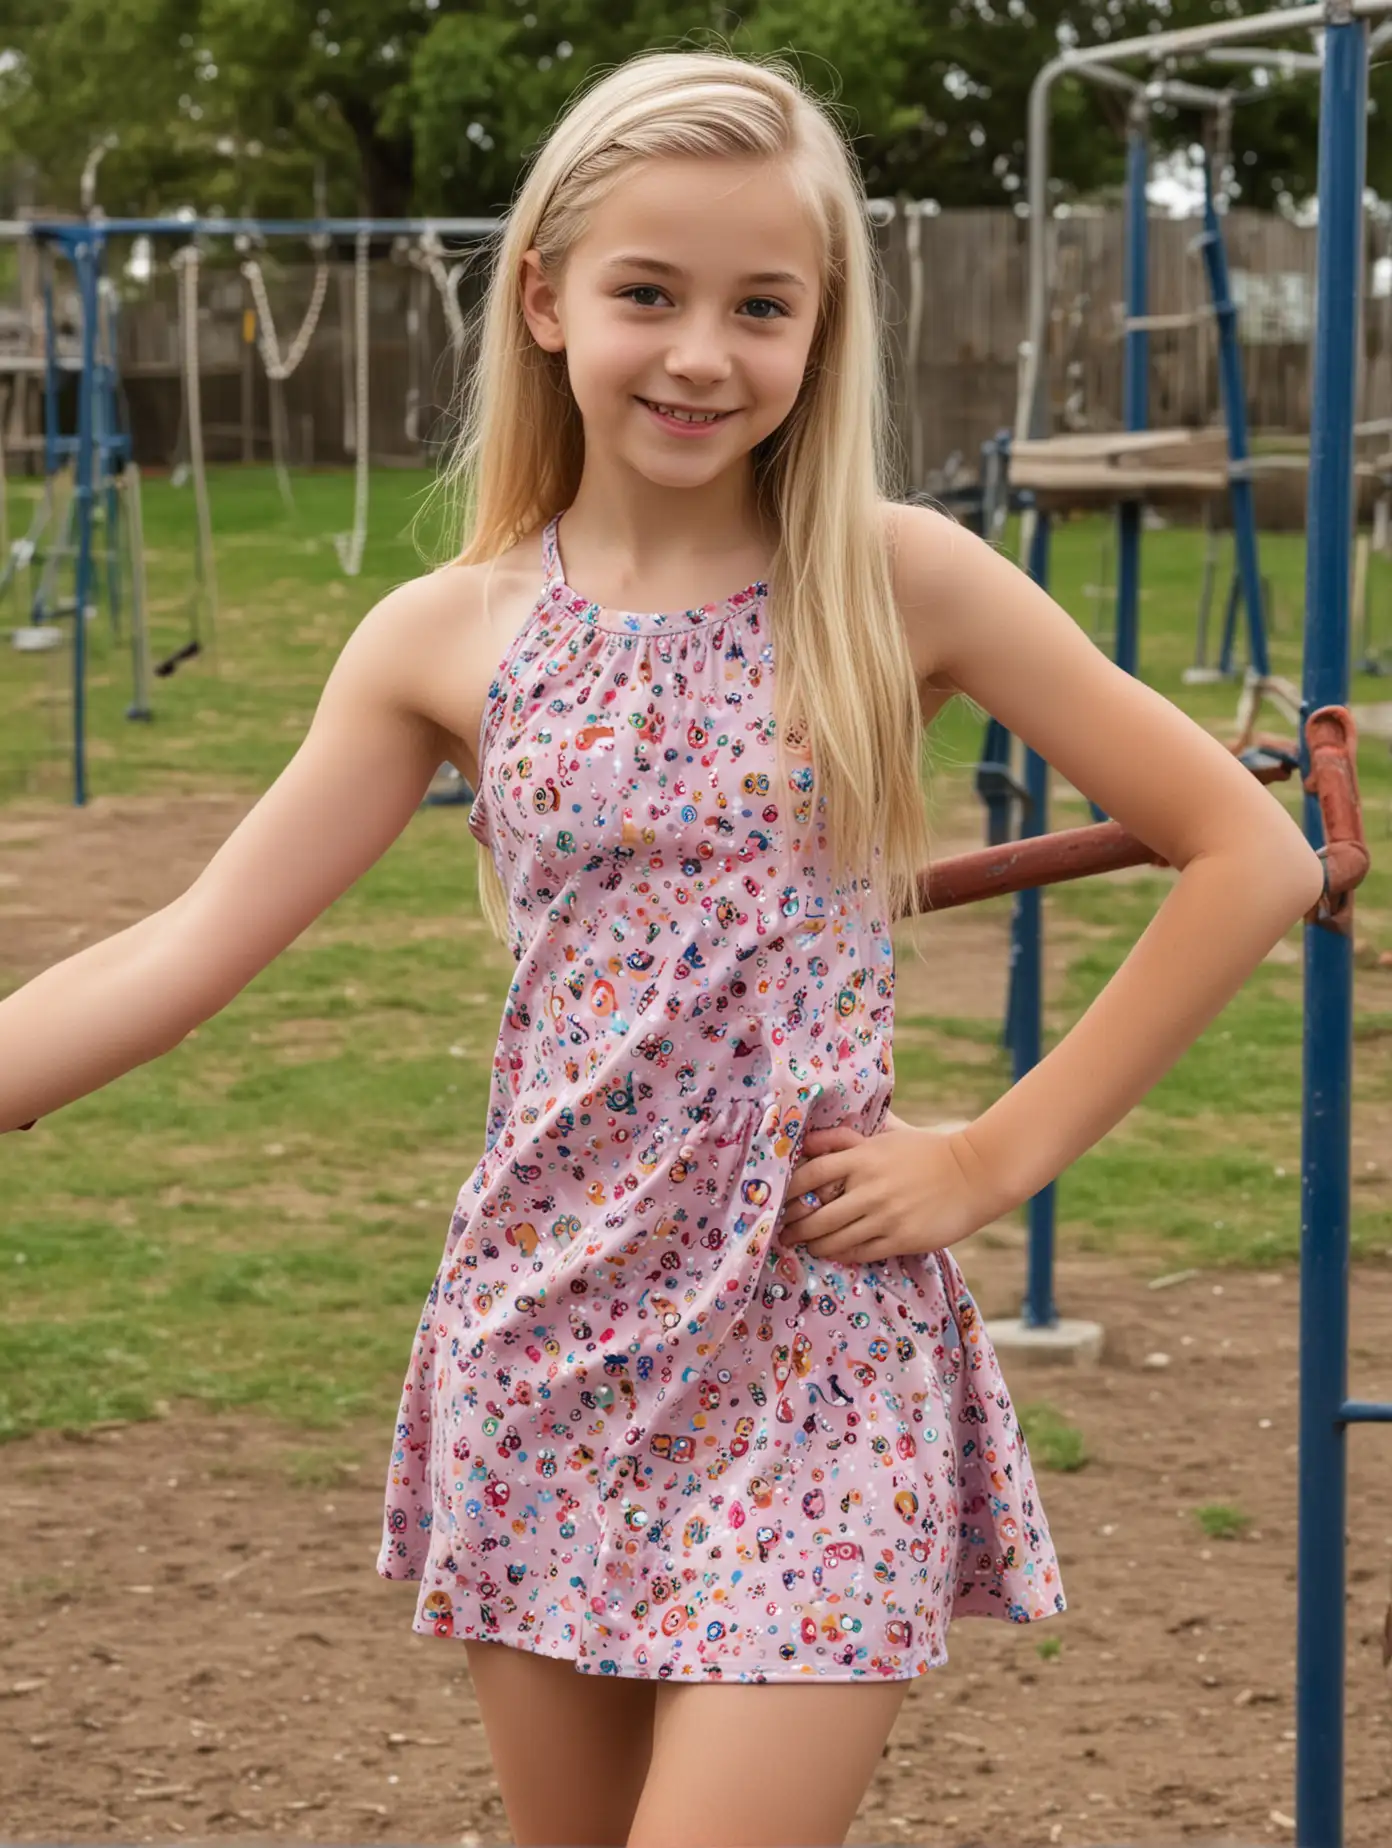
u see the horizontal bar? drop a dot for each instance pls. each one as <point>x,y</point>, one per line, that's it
<point>1070,853</point>
<point>1363,1411</point>
<point>1079,853</point>
<point>1194,95</point>
<point>1282,60</point>
<point>75,230</point>
<point>1221,32</point>
<point>1040,860</point>
<point>1113,80</point>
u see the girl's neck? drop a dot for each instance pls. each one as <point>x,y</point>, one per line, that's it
<point>635,530</point>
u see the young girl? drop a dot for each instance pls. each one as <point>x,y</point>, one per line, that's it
<point>699,1405</point>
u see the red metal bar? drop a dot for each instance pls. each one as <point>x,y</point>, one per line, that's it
<point>1078,853</point>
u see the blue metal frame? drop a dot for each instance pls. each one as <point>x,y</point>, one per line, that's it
<point>1234,395</point>
<point>1135,387</point>
<point>1027,992</point>
<point>1325,1409</point>
<point>101,446</point>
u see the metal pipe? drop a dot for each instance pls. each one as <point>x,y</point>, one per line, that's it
<point>87,258</point>
<point>1027,994</point>
<point>1191,95</point>
<point>1109,79</point>
<point>1182,39</point>
<point>66,230</point>
<point>1286,62</point>
<point>1328,1040</point>
<point>1361,1411</point>
<point>1234,396</point>
<point>1135,414</point>
<point>1031,407</point>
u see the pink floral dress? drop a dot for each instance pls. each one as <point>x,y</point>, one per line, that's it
<point>635,1434</point>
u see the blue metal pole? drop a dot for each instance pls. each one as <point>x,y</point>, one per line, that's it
<point>1135,389</point>
<point>1324,1228</point>
<point>1234,390</point>
<point>1230,609</point>
<point>51,430</point>
<point>86,256</point>
<point>1135,385</point>
<point>1027,980</point>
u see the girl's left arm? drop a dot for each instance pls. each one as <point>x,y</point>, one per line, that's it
<point>1246,872</point>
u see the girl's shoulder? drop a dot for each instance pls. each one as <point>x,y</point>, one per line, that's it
<point>445,629</point>
<point>924,545</point>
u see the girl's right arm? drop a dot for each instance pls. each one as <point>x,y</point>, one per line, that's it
<point>350,789</point>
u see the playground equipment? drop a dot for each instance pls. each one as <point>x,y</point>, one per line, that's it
<point>1324,754</point>
<point>32,567</point>
<point>97,457</point>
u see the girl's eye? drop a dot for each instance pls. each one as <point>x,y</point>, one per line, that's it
<point>761,302</point>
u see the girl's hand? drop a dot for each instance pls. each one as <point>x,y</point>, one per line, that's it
<point>890,1195</point>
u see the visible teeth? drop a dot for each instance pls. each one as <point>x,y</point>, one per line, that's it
<point>668,410</point>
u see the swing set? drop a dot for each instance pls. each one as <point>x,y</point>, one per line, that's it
<point>90,503</point>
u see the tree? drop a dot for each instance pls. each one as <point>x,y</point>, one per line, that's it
<point>433,105</point>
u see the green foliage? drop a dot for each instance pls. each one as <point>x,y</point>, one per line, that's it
<point>404,105</point>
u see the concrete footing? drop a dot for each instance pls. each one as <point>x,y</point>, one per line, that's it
<point>1067,1343</point>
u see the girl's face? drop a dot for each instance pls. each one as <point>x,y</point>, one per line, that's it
<point>693,288</point>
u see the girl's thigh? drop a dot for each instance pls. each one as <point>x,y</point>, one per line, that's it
<point>570,1750</point>
<point>762,1764</point>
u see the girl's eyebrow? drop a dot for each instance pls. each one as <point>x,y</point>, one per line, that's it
<point>654,266</point>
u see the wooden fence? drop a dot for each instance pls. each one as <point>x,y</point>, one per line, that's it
<point>954,320</point>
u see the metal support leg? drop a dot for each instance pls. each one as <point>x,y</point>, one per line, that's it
<point>1135,391</point>
<point>1234,392</point>
<point>86,261</point>
<point>1324,1248</point>
<point>1027,970</point>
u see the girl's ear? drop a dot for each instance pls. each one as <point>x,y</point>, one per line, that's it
<point>541,305</point>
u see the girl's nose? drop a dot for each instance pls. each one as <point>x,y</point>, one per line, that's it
<point>699,355</point>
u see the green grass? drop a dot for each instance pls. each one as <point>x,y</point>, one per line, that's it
<point>1053,1442</point>
<point>254,1220</point>
<point>1218,1521</point>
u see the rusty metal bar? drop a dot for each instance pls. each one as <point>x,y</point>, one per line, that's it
<point>1079,853</point>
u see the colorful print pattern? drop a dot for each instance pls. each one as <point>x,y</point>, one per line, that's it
<point>635,1433</point>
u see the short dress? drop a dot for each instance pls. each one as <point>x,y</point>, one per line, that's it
<point>635,1433</point>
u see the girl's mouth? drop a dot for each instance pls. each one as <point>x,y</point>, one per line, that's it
<point>684,423</point>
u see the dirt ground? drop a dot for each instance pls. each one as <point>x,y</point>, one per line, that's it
<point>194,1643</point>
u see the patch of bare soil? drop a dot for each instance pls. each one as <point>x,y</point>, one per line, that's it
<point>69,877</point>
<point>195,1643</point>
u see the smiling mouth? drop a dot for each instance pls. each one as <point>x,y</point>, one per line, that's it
<point>684,416</point>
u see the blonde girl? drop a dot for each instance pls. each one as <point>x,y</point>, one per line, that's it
<point>702,1441</point>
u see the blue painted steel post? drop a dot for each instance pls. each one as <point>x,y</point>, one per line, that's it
<point>1234,390</point>
<point>1324,1193</point>
<point>85,250</point>
<point>1027,986</point>
<point>51,410</point>
<point>1135,382</point>
<point>1135,388</point>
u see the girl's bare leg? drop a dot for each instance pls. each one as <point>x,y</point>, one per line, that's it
<point>762,1765</point>
<point>570,1749</point>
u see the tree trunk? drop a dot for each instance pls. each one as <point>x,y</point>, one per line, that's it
<point>386,184</point>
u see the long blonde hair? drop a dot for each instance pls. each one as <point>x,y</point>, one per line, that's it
<point>843,661</point>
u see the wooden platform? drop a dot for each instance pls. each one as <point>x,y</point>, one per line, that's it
<point>1095,469</point>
